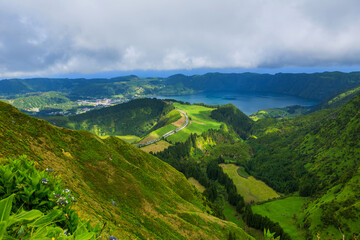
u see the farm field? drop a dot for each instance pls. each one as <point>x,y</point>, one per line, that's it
<point>250,188</point>
<point>283,211</point>
<point>200,121</point>
<point>156,147</point>
<point>180,122</point>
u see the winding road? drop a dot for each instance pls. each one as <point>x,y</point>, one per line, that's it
<point>169,133</point>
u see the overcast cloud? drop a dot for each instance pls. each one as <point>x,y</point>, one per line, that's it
<point>42,37</point>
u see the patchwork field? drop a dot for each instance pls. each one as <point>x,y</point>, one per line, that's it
<point>284,212</point>
<point>250,188</point>
<point>180,122</point>
<point>156,147</point>
<point>200,121</point>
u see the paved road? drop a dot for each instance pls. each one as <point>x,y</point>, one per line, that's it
<point>168,133</point>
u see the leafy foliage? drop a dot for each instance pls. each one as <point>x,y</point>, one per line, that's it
<point>33,197</point>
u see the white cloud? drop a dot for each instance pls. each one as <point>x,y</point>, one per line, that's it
<point>85,36</point>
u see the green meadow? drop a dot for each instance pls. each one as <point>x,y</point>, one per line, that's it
<point>200,121</point>
<point>284,211</point>
<point>250,188</point>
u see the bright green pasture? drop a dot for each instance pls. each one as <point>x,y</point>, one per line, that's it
<point>284,212</point>
<point>200,121</point>
<point>250,188</point>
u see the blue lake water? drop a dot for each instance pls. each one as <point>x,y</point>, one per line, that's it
<point>248,102</point>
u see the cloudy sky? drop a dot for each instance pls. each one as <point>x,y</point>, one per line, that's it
<point>48,38</point>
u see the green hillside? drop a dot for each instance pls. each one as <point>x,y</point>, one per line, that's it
<point>136,194</point>
<point>137,117</point>
<point>332,154</point>
<point>318,155</point>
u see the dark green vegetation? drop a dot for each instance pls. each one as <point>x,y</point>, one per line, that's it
<point>131,191</point>
<point>195,158</point>
<point>137,117</point>
<point>81,88</point>
<point>318,155</point>
<point>35,205</point>
<point>234,118</point>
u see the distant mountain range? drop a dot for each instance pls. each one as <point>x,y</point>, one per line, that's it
<point>313,86</point>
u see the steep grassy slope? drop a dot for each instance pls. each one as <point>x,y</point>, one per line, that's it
<point>138,195</point>
<point>136,117</point>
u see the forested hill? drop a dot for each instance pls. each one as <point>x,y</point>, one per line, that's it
<point>136,117</point>
<point>313,86</point>
<point>66,85</point>
<point>137,195</point>
<point>234,118</point>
